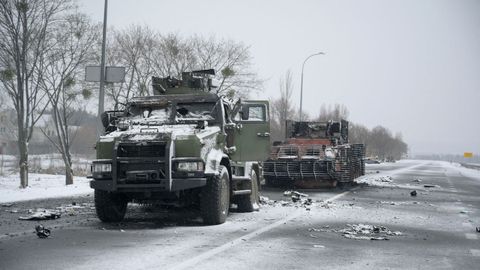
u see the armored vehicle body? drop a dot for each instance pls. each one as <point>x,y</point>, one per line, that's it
<point>315,154</point>
<point>184,146</point>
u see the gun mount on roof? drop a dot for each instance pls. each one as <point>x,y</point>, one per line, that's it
<point>191,82</point>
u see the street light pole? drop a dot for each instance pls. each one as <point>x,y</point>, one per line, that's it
<point>101,94</point>
<point>301,83</point>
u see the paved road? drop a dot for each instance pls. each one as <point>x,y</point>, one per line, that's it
<point>433,230</point>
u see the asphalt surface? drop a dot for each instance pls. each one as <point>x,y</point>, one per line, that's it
<point>433,230</point>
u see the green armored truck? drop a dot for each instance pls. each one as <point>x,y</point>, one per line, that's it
<point>183,146</point>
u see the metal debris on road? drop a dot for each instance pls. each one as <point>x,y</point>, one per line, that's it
<point>361,232</point>
<point>413,193</point>
<point>41,231</point>
<point>294,193</point>
<point>298,199</point>
<point>42,215</point>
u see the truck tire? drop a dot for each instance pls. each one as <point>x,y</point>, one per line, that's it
<point>215,198</point>
<point>110,207</point>
<point>251,202</point>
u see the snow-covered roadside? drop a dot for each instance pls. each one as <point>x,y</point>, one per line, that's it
<point>467,172</point>
<point>41,186</point>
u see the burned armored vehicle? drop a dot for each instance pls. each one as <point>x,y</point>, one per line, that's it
<point>315,154</point>
<point>184,146</point>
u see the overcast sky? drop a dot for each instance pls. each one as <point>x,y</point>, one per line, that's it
<point>411,66</point>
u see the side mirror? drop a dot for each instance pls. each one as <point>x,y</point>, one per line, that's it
<point>105,116</point>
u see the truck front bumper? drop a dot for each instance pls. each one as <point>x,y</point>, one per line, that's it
<point>161,185</point>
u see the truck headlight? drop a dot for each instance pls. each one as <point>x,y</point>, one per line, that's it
<point>190,166</point>
<point>101,168</point>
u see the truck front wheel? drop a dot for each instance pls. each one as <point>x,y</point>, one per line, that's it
<point>215,198</point>
<point>110,207</point>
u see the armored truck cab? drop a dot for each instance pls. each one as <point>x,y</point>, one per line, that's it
<point>185,146</point>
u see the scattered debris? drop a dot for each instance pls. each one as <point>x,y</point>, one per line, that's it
<point>42,215</point>
<point>390,203</point>
<point>380,180</point>
<point>266,200</point>
<point>42,232</point>
<point>294,193</point>
<point>361,232</point>
<point>386,179</point>
<point>413,193</point>
<point>298,199</point>
<point>416,180</point>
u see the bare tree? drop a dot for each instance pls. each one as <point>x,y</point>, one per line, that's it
<point>282,108</point>
<point>145,53</point>
<point>336,113</point>
<point>71,47</point>
<point>232,61</point>
<point>131,48</point>
<point>172,55</point>
<point>24,25</point>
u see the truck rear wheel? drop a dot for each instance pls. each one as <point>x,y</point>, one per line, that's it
<point>215,198</point>
<point>110,207</point>
<point>250,203</point>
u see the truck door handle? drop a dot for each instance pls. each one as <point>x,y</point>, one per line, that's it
<point>265,134</point>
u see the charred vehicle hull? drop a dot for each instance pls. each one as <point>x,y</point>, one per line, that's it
<point>316,155</point>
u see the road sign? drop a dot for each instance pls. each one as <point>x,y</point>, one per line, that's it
<point>468,155</point>
<point>112,74</point>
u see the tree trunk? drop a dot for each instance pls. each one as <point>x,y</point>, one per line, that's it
<point>68,175</point>
<point>23,163</point>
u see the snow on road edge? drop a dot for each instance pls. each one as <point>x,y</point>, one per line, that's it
<point>41,186</point>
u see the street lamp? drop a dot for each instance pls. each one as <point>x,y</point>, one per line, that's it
<point>301,83</point>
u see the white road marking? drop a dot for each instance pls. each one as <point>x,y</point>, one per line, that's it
<point>475,252</point>
<point>191,263</point>
<point>471,236</point>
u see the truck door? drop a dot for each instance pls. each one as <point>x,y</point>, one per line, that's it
<point>252,133</point>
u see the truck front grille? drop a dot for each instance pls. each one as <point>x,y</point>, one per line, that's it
<point>142,162</point>
<point>140,150</point>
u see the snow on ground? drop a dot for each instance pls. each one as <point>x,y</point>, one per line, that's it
<point>467,172</point>
<point>41,186</point>
<point>386,177</point>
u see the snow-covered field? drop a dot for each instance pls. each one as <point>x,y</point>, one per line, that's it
<point>41,186</point>
<point>47,163</point>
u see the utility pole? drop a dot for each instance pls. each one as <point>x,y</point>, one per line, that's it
<point>101,94</point>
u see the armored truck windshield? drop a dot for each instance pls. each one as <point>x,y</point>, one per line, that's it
<point>195,112</point>
<point>171,113</point>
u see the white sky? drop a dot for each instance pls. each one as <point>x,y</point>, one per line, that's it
<point>412,66</point>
